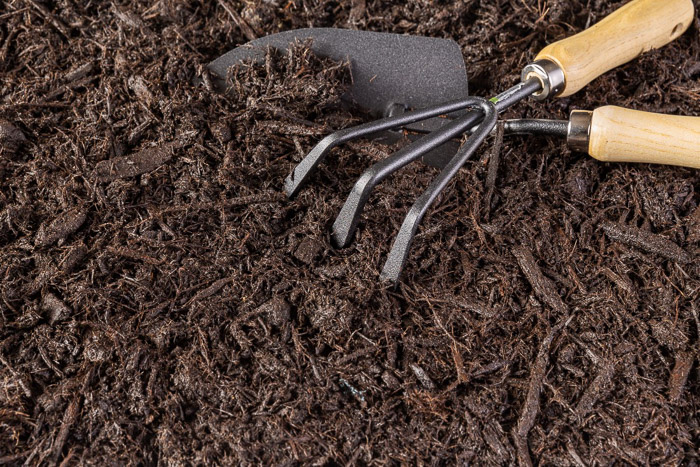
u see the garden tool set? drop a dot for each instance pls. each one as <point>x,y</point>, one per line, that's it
<point>393,73</point>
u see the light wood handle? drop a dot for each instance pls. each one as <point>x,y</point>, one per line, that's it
<point>637,27</point>
<point>623,135</point>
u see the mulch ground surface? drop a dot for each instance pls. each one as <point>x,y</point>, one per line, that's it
<point>162,301</point>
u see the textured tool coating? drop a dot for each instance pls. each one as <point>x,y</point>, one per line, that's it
<point>309,164</point>
<point>386,68</point>
<point>346,222</point>
<point>399,251</point>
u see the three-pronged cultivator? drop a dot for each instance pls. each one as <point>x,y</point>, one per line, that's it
<point>391,71</point>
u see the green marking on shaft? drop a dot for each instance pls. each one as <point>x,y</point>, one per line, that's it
<point>494,100</point>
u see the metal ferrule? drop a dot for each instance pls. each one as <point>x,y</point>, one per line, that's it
<point>578,135</point>
<point>550,75</point>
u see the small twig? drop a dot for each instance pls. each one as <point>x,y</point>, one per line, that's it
<point>240,22</point>
<point>38,105</point>
<point>11,459</point>
<point>187,43</point>
<point>57,23</point>
<point>12,13</point>
<point>70,416</point>
<point>598,387</point>
<point>6,45</point>
<point>532,401</point>
<point>211,290</point>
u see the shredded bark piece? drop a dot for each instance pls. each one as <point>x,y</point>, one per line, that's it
<point>542,285</point>
<point>650,242</point>
<point>531,407</point>
<point>679,375</point>
<point>597,389</point>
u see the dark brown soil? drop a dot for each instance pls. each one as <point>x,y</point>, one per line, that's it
<point>161,301</point>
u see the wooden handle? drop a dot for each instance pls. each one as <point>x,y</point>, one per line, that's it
<point>623,135</point>
<point>637,27</point>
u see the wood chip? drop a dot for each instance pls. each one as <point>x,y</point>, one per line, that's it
<point>276,311</point>
<point>212,289</point>
<point>694,226</point>
<point>138,85</point>
<point>422,376</point>
<point>669,334</point>
<point>11,137</point>
<point>74,257</point>
<point>679,375</point>
<point>135,164</point>
<point>69,418</point>
<point>307,250</point>
<point>56,308</point>
<point>130,19</point>
<point>60,227</point>
<point>357,11</point>
<point>80,72</point>
<point>286,128</point>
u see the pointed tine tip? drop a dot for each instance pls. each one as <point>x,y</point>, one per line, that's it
<point>309,164</point>
<point>395,262</point>
<point>402,243</point>
<point>290,188</point>
<point>397,257</point>
<point>389,278</point>
<point>346,222</point>
<point>340,236</point>
<point>296,179</point>
<point>343,226</point>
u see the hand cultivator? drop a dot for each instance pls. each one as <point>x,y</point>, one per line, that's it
<point>393,72</point>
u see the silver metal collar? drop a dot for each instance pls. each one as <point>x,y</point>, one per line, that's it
<point>578,135</point>
<point>550,75</point>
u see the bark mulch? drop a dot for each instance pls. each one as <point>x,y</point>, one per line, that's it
<point>161,301</point>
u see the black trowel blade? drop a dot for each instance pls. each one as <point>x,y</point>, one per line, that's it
<point>387,69</point>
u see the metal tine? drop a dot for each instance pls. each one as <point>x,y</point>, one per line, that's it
<point>346,222</point>
<point>308,165</point>
<point>399,251</point>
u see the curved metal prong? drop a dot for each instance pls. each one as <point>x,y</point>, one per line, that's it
<point>346,222</point>
<point>308,165</point>
<point>399,251</point>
